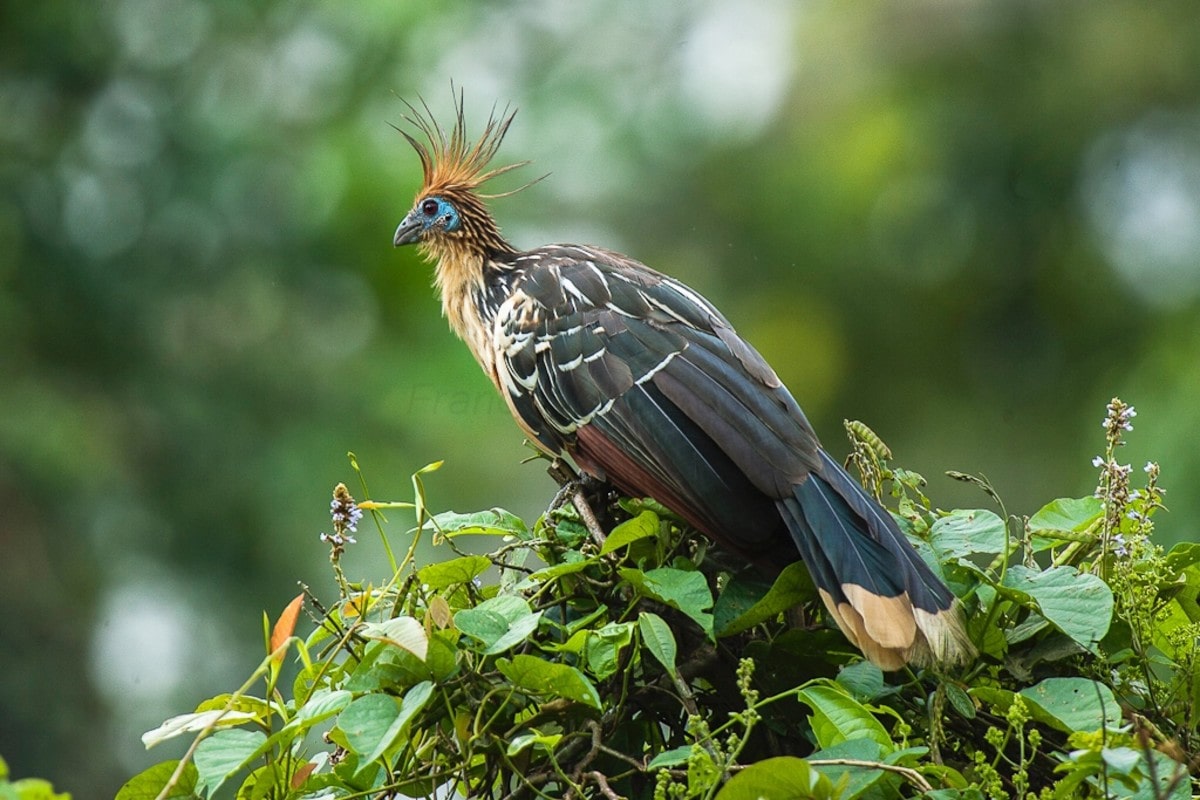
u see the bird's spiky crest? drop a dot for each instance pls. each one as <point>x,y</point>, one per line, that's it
<point>450,161</point>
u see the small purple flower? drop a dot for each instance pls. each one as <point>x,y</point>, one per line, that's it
<point>1098,461</point>
<point>345,512</point>
<point>1119,417</point>
<point>1120,549</point>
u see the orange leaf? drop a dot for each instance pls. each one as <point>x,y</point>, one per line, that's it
<point>301,775</point>
<point>284,627</point>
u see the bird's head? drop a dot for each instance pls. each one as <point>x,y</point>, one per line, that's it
<point>449,217</point>
<point>432,216</point>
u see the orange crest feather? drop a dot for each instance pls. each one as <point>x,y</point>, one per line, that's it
<point>449,161</point>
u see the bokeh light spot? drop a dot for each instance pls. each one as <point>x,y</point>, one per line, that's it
<point>306,76</point>
<point>141,646</point>
<point>161,33</point>
<point>103,215</point>
<point>737,62</point>
<point>1142,195</point>
<point>121,128</point>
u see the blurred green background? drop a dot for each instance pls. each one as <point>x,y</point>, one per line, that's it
<point>968,224</point>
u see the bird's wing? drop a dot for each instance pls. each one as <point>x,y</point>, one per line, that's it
<point>639,377</point>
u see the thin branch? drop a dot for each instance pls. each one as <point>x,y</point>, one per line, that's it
<point>589,517</point>
<point>909,774</point>
<point>601,782</point>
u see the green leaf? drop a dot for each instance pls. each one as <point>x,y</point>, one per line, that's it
<point>745,602</point>
<point>683,590</point>
<point>1121,759</point>
<point>523,741</point>
<point>1071,514</point>
<point>670,758</point>
<point>964,533</point>
<point>500,623</point>
<point>960,700</point>
<point>1063,519</point>
<point>442,658</point>
<point>568,528</point>
<point>403,632</point>
<point>636,505</point>
<point>573,561</point>
<point>1074,704</point>
<point>321,705</point>
<point>1181,611</point>
<point>538,677</point>
<point>147,784</point>
<point>31,789</point>
<point>453,572</point>
<point>385,667</point>
<point>1001,699</point>
<point>415,700</point>
<point>1167,769</point>
<point>1182,556</point>
<point>659,640</point>
<point>643,526</point>
<point>863,680</point>
<point>494,522</point>
<point>780,777</point>
<point>222,754</point>
<point>367,723</point>
<point>602,648</point>
<point>374,722</point>
<point>1078,604</point>
<point>837,717</point>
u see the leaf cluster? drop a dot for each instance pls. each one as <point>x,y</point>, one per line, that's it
<point>628,659</point>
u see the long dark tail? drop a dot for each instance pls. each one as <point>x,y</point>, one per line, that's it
<point>885,599</point>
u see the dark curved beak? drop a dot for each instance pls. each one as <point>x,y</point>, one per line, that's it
<point>409,230</point>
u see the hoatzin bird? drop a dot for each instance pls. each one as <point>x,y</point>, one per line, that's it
<point>643,383</point>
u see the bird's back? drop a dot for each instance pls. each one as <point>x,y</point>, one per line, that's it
<point>644,382</point>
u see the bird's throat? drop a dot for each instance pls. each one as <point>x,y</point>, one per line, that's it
<point>459,277</point>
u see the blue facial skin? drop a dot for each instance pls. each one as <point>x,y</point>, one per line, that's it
<point>432,212</point>
<point>438,211</point>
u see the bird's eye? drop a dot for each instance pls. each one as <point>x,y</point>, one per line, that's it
<point>429,207</point>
